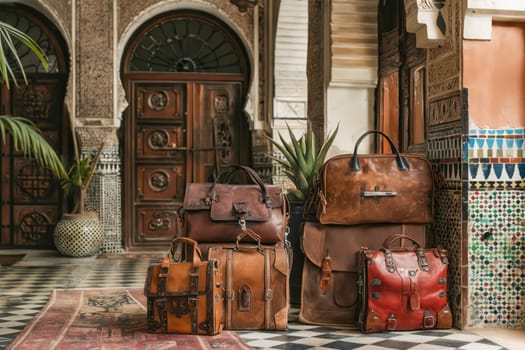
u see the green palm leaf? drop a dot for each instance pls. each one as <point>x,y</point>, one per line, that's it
<point>8,35</point>
<point>27,138</point>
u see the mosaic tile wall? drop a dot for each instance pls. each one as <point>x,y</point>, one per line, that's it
<point>104,196</point>
<point>496,255</point>
<point>444,151</point>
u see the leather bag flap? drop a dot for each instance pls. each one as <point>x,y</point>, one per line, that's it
<point>322,240</point>
<point>178,281</point>
<point>232,201</point>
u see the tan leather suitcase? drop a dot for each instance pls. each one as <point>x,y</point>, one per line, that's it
<point>329,292</point>
<point>184,297</point>
<point>256,284</point>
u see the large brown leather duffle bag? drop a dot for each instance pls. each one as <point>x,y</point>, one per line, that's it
<point>256,283</point>
<point>356,188</point>
<point>184,297</point>
<point>219,212</point>
<point>329,292</point>
<point>403,289</point>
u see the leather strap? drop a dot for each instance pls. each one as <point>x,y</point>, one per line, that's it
<point>389,261</point>
<point>429,321</point>
<point>193,301</point>
<point>325,282</point>
<point>209,324</point>
<point>229,295</point>
<point>268,292</point>
<point>422,260</point>
<point>414,301</point>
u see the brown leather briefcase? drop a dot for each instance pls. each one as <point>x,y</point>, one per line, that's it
<point>218,212</point>
<point>329,292</point>
<point>256,285</point>
<point>403,289</point>
<point>356,188</point>
<point>184,297</point>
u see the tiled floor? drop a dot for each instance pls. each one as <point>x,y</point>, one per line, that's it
<point>25,287</point>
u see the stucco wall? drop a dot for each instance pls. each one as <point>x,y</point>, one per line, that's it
<point>494,74</point>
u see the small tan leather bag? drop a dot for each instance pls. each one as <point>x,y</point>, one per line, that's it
<point>184,297</point>
<point>356,188</point>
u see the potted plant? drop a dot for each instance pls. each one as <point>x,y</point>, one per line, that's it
<point>79,233</point>
<point>303,158</point>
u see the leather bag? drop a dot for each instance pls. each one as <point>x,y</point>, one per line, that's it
<point>403,289</point>
<point>184,297</point>
<point>256,283</point>
<point>219,212</point>
<point>356,188</point>
<point>329,291</point>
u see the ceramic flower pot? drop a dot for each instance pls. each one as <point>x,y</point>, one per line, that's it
<point>79,235</point>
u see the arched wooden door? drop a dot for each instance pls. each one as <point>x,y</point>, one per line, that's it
<point>185,75</point>
<point>31,200</point>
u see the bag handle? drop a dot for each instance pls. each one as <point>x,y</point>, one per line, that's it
<point>396,237</point>
<point>266,199</point>
<point>196,255</point>
<point>248,233</point>
<point>228,172</point>
<point>402,163</point>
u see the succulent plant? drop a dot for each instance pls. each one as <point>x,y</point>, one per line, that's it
<point>303,158</point>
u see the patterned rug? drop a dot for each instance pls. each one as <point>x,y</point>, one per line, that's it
<point>10,259</point>
<point>84,319</point>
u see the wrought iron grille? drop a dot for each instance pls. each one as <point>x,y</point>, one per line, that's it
<point>186,45</point>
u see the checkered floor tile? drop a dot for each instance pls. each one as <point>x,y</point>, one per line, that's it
<point>26,286</point>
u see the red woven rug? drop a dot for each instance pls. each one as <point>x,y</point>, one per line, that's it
<point>82,319</point>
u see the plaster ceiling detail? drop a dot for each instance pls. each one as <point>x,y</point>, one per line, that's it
<point>428,20</point>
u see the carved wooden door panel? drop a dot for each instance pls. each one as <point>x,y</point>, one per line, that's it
<point>31,199</point>
<point>176,133</point>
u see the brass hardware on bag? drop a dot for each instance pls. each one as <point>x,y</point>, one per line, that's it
<point>376,194</point>
<point>375,282</point>
<point>428,319</point>
<point>244,300</point>
<point>389,261</point>
<point>391,322</point>
<point>422,260</point>
<point>242,223</point>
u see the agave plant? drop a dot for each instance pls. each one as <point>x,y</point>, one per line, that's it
<point>303,158</point>
<point>25,135</point>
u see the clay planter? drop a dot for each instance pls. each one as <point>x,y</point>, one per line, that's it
<point>79,235</point>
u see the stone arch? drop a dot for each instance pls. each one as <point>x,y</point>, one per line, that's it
<point>157,9</point>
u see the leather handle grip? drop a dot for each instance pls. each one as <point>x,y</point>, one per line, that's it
<point>197,254</point>
<point>250,233</point>
<point>402,163</point>
<point>228,172</point>
<point>396,237</point>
